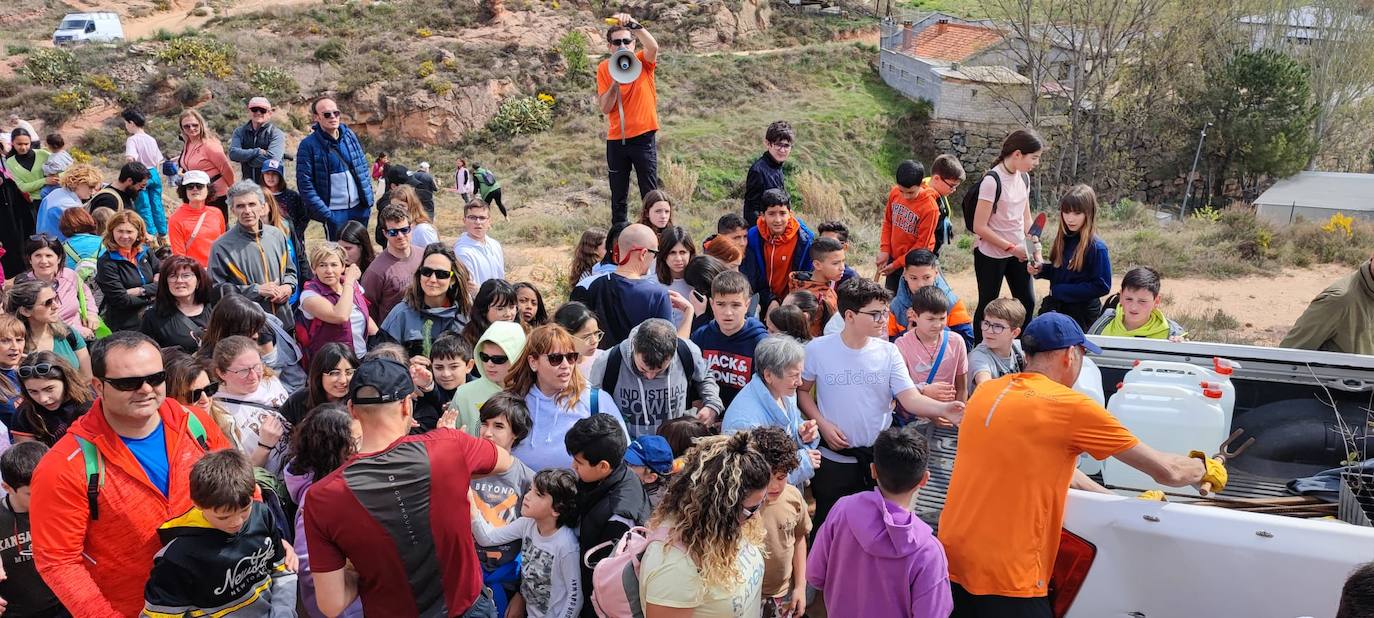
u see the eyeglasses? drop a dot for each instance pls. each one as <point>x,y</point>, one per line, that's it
<point>190,126</point>
<point>994,328</point>
<point>594,338</point>
<point>209,391</point>
<point>393,232</point>
<point>477,218</point>
<point>782,145</point>
<point>950,184</point>
<point>333,114</point>
<point>442,275</point>
<point>257,368</point>
<point>259,110</point>
<point>341,373</point>
<point>748,511</point>
<point>134,383</point>
<point>558,358</point>
<point>41,370</point>
<point>878,315</point>
<point>184,275</point>
<point>495,360</point>
<point>622,42</point>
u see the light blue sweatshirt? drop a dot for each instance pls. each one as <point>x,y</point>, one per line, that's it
<point>754,407</point>
<point>543,449</point>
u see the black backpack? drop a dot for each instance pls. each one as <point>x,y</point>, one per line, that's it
<point>970,203</point>
<point>684,355</point>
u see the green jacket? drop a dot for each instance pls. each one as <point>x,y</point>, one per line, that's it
<point>1340,319</point>
<point>29,181</point>
<point>484,189</point>
<point>469,397</point>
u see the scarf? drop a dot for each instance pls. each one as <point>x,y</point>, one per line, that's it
<point>777,255</point>
<point>1156,327</point>
<point>27,159</point>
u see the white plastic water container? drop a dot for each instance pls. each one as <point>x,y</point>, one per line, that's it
<point>1218,378</point>
<point>1090,383</point>
<point>1170,418</point>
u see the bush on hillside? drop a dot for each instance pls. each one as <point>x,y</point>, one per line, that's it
<point>332,50</point>
<point>201,55</point>
<point>821,199</point>
<point>51,67</point>
<point>573,48</point>
<point>523,116</point>
<point>678,180</point>
<point>271,82</point>
<point>71,101</point>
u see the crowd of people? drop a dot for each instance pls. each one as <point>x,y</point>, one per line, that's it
<point>212,415</point>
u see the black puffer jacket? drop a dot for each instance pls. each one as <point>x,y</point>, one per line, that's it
<point>115,275</point>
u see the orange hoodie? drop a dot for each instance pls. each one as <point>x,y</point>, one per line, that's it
<point>98,568</point>
<point>777,254</point>
<point>909,224</point>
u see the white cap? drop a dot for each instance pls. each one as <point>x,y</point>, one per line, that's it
<point>424,165</point>
<point>195,177</point>
<point>259,102</point>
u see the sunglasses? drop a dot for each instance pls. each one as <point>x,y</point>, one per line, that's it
<point>44,238</point>
<point>622,42</point>
<point>558,358</point>
<point>209,391</point>
<point>495,360</point>
<point>748,511</point>
<point>442,275</point>
<point>190,126</point>
<point>397,231</point>
<point>194,187</point>
<point>333,114</point>
<point>51,303</point>
<point>41,370</point>
<point>134,383</point>
<point>259,110</point>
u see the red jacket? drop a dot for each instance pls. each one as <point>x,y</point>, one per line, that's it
<point>909,225</point>
<point>98,568</point>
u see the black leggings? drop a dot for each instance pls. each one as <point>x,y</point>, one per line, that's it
<point>991,272</point>
<point>492,198</point>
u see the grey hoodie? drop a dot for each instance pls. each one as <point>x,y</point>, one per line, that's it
<point>666,395</point>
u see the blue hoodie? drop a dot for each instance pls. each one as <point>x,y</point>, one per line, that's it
<point>543,449</point>
<point>730,357</point>
<point>1080,286</point>
<point>755,407</point>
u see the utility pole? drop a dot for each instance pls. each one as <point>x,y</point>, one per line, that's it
<point>1188,192</point>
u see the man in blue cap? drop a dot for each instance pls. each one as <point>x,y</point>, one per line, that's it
<point>1018,451</point>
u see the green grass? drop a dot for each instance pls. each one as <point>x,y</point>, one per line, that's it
<point>961,8</point>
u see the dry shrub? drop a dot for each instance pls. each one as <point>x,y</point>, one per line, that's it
<point>678,180</point>
<point>821,199</point>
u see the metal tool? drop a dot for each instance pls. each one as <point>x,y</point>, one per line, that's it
<point>1224,453</point>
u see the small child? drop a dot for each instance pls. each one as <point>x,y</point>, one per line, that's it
<point>227,531</point>
<point>682,432</point>
<point>25,593</point>
<point>767,171</point>
<point>827,270</point>
<point>497,499</point>
<point>652,460</point>
<point>58,160</point>
<point>938,363</point>
<point>450,361</point>
<point>786,522</point>
<point>1137,312</point>
<point>872,556</point>
<point>529,304</point>
<point>727,342</point>
<point>921,268</point>
<point>1079,270</point>
<point>610,498</point>
<point>1000,352</point>
<point>497,350</point>
<point>550,582</point>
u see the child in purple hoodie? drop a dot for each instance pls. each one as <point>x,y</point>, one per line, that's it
<point>872,557</point>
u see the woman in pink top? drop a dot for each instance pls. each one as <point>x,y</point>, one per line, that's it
<point>1000,253</point>
<point>203,151</point>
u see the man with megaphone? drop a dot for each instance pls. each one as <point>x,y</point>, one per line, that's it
<point>631,109</point>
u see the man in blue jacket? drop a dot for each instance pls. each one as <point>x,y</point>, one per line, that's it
<point>332,171</point>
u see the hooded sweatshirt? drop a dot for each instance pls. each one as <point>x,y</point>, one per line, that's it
<point>755,407</point>
<point>242,259</point>
<point>876,559</point>
<point>730,357</point>
<point>551,419</point>
<point>1341,318</point>
<point>468,399</point>
<point>416,329</point>
<point>646,404</point>
<point>1113,324</point>
<point>768,259</point>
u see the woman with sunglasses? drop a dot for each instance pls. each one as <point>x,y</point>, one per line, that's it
<point>126,273</point>
<point>556,394</point>
<point>435,303</point>
<point>712,561</point>
<point>47,265</point>
<point>194,226</point>
<point>331,368</point>
<point>580,321</point>
<point>181,308</point>
<point>333,305</point>
<point>202,151</point>
<point>496,301</point>
<point>36,305</point>
<point>53,396</point>
<point>189,384</point>
<point>252,394</point>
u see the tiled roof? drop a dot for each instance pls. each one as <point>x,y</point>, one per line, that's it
<point>953,42</point>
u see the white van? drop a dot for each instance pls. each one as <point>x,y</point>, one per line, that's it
<point>88,28</point>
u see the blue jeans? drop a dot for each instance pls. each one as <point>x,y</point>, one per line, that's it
<point>483,608</point>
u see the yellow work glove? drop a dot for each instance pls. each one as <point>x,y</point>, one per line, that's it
<point>1153,494</point>
<point>1216,472</point>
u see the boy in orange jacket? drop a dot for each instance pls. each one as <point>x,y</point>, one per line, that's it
<point>913,213</point>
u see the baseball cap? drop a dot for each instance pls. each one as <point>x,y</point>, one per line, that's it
<point>271,165</point>
<point>380,380</point>
<point>195,177</point>
<point>1054,331</point>
<point>424,165</point>
<point>651,452</point>
<point>259,102</point>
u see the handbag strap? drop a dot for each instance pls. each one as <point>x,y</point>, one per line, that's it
<point>944,340</point>
<point>196,230</point>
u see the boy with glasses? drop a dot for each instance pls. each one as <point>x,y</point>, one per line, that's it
<point>766,172</point>
<point>480,253</point>
<point>387,278</point>
<point>1000,353</point>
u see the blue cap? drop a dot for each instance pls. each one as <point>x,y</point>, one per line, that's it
<point>271,165</point>
<point>651,452</point>
<point>1054,331</point>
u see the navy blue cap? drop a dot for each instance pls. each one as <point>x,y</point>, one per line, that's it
<point>271,165</point>
<point>651,452</point>
<point>1054,331</point>
<point>380,380</point>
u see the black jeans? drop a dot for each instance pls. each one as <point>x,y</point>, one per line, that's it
<point>834,480</point>
<point>639,152</point>
<point>495,198</point>
<point>992,606</point>
<point>1084,313</point>
<point>991,272</point>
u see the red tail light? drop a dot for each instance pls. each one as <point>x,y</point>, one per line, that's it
<point>1070,569</point>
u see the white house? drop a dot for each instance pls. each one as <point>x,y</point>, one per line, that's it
<point>942,64</point>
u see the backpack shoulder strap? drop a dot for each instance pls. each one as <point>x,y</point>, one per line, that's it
<point>684,356</point>
<point>95,473</point>
<point>611,376</point>
<point>596,401</point>
<point>997,193</point>
<point>197,429</point>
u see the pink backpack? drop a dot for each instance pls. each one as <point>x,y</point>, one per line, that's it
<point>615,579</point>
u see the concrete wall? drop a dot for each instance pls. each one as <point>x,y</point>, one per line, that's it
<point>975,103</point>
<point>910,76</point>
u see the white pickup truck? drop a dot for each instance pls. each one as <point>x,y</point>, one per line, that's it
<point>1128,558</point>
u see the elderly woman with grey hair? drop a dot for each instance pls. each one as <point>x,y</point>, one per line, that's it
<point>253,258</point>
<point>770,398</point>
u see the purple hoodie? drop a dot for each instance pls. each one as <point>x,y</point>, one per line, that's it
<point>296,485</point>
<point>875,559</point>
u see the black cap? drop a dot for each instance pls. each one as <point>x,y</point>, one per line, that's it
<point>380,380</point>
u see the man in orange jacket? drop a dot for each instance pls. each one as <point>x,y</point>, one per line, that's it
<point>96,550</point>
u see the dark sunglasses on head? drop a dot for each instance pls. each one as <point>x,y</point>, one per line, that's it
<point>259,110</point>
<point>426,271</point>
<point>209,391</point>
<point>41,370</point>
<point>44,238</point>
<point>134,383</point>
<point>397,231</point>
<point>622,42</point>
<point>495,360</point>
<point>558,358</point>
<point>333,114</point>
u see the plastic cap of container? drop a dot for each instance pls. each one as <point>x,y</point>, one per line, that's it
<point>1211,393</point>
<point>1223,366</point>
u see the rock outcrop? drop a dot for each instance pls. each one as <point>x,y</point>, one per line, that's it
<point>420,116</point>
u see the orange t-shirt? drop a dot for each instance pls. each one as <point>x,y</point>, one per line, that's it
<point>640,99</point>
<point>1018,446</point>
<point>909,224</point>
